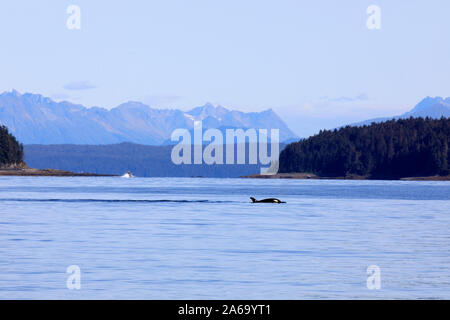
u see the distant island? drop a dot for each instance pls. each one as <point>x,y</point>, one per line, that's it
<point>141,160</point>
<point>395,149</point>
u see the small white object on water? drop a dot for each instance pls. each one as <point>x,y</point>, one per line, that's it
<point>127,175</point>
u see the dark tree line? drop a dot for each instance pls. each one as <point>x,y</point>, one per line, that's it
<point>393,149</point>
<point>11,151</point>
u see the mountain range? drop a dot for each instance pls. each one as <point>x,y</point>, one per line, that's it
<point>35,119</point>
<point>432,107</point>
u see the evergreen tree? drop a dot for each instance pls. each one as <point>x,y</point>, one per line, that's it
<point>11,151</point>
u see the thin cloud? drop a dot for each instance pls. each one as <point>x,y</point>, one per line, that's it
<point>342,99</point>
<point>360,97</point>
<point>79,85</point>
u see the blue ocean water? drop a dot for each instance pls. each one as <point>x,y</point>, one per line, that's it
<point>189,238</point>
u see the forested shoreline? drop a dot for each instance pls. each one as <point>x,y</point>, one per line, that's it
<point>11,151</point>
<point>395,149</point>
<point>414,147</point>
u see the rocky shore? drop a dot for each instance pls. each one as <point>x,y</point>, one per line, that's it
<point>350,177</point>
<point>29,172</point>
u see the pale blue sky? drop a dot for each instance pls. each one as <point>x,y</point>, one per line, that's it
<point>314,62</point>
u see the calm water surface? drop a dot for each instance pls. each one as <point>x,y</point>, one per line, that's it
<point>202,239</point>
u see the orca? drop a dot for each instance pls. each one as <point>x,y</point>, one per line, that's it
<point>268,200</point>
